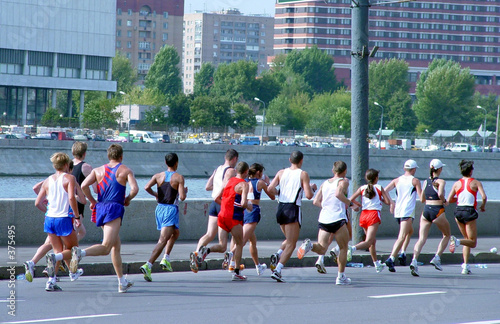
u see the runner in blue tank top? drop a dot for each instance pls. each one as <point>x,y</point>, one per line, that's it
<point>112,179</point>
<point>170,189</point>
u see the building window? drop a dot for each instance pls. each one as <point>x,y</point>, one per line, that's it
<point>165,25</point>
<point>129,33</point>
<point>118,11</point>
<point>68,73</point>
<point>118,44</point>
<point>129,44</point>
<point>130,12</point>
<point>129,56</point>
<point>144,45</point>
<point>129,23</point>
<point>10,68</point>
<point>165,15</point>
<point>119,22</point>
<point>165,36</point>
<point>118,33</point>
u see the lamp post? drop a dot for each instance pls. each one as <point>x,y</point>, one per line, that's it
<point>129,114</point>
<point>380,129</point>
<point>5,117</point>
<point>484,130</point>
<point>263,120</point>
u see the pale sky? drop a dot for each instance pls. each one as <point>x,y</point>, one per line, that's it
<point>245,6</point>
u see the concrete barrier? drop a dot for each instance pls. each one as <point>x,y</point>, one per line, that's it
<point>139,222</point>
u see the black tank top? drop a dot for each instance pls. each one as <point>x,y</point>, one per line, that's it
<point>430,191</point>
<point>77,172</point>
<point>167,194</point>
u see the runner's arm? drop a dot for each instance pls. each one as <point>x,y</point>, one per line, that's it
<point>319,197</point>
<point>89,180</point>
<point>210,183</point>
<point>148,187</point>
<point>483,195</point>
<point>182,189</point>
<point>261,185</point>
<point>306,185</point>
<point>276,181</point>
<point>418,186</point>
<point>41,197</point>
<point>453,192</point>
<point>134,188</point>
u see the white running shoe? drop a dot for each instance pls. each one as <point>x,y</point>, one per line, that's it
<point>29,268</point>
<point>466,269</point>
<point>379,266</point>
<point>436,262</point>
<point>52,287</point>
<point>304,248</point>
<point>228,256</point>
<point>349,253</point>
<point>124,288</point>
<point>261,268</point>
<point>334,252</point>
<point>320,266</point>
<point>414,268</point>
<point>343,281</point>
<point>453,244</point>
<point>76,275</point>
<point>51,264</point>
<point>238,277</point>
<point>76,256</point>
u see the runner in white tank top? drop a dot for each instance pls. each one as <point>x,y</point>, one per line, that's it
<point>464,193</point>
<point>408,187</point>
<point>58,198</point>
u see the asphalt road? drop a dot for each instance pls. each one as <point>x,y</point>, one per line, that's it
<point>306,297</point>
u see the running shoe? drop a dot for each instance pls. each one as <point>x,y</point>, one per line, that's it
<point>334,254</point>
<point>390,264</point>
<point>202,254</point>
<point>76,275</point>
<point>193,261</point>
<point>165,265</point>
<point>436,262</point>
<point>466,269</point>
<point>124,288</point>
<point>76,256</point>
<point>29,268</point>
<point>228,256</point>
<point>45,272</point>
<point>275,259</point>
<point>52,287</point>
<point>277,276</point>
<point>343,281</point>
<point>261,268</point>
<point>453,243</point>
<point>238,277</point>
<point>379,266</point>
<point>320,266</point>
<point>349,253</point>
<point>51,264</point>
<point>146,270</point>
<point>63,267</point>
<point>304,248</point>
<point>231,267</point>
<point>402,259</point>
<point>414,268</point>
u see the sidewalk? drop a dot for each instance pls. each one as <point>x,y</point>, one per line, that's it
<point>136,254</point>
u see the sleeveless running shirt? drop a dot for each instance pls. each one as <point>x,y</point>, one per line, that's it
<point>109,189</point>
<point>431,192</point>
<point>167,194</point>
<point>220,172</point>
<point>291,187</point>
<point>332,209</point>
<point>374,203</point>
<point>406,197</point>
<point>254,194</point>
<point>465,195</point>
<point>58,198</point>
<point>77,172</point>
<point>231,201</point>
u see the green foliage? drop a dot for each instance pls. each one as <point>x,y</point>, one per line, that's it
<point>154,119</point>
<point>290,112</point>
<point>211,112</point>
<point>268,87</point>
<point>244,117</point>
<point>236,81</point>
<point>164,74</point>
<point>178,110</point>
<point>123,73</point>
<point>445,90</point>
<point>327,112</point>
<point>51,118</point>
<point>101,113</point>
<point>204,80</point>
<point>389,87</point>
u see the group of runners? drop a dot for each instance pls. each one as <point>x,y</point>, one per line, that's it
<point>236,191</point>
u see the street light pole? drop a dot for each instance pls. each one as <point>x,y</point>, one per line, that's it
<point>380,129</point>
<point>263,121</point>
<point>484,131</point>
<point>129,113</point>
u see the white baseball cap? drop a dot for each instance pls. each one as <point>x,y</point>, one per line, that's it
<point>436,164</point>
<point>410,164</point>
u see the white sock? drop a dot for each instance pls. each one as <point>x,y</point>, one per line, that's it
<point>392,258</point>
<point>457,242</point>
<point>336,249</point>
<point>279,252</point>
<point>376,263</point>
<point>341,275</point>
<point>279,267</point>
<point>149,264</point>
<point>122,281</point>
<point>402,252</point>
<point>166,256</point>
<point>321,258</point>
<point>353,248</point>
<point>59,256</point>
<point>437,257</point>
<point>83,253</point>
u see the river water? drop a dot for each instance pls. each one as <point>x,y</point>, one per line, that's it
<point>20,187</point>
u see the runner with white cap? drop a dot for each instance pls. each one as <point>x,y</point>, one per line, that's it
<point>434,199</point>
<point>407,189</point>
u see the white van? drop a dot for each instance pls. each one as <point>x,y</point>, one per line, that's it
<point>461,147</point>
<point>147,137</point>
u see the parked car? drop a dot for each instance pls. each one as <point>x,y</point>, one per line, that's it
<point>120,139</point>
<point>461,147</point>
<point>21,135</point>
<point>80,138</point>
<point>7,136</point>
<point>234,141</point>
<point>272,143</point>
<point>166,138</point>
<point>43,136</point>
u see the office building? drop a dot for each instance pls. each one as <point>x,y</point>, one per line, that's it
<point>46,46</point>
<point>466,31</point>
<point>224,37</point>
<point>143,27</point>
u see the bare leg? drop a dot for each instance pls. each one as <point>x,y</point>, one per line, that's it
<point>111,232</point>
<point>405,228</point>
<point>165,235</point>
<point>469,231</point>
<point>444,226</point>
<point>425,227</point>
<point>116,258</point>
<point>292,235</point>
<point>210,234</point>
<point>42,251</point>
<point>222,246</point>
<point>237,234</point>
<point>324,240</point>
<point>171,241</point>
<point>249,235</point>
<point>370,241</point>
<point>342,238</point>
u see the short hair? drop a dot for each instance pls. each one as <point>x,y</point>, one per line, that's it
<point>79,149</point>
<point>115,152</point>
<point>171,159</point>
<point>71,165</point>
<point>254,168</point>
<point>241,167</point>
<point>296,157</point>
<point>59,160</point>
<point>466,167</point>
<point>339,167</point>
<point>231,154</point>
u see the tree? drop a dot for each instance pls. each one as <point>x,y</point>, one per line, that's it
<point>123,73</point>
<point>212,112</point>
<point>290,112</point>
<point>390,88</point>
<point>244,117</point>
<point>164,74</point>
<point>236,80</point>
<point>204,80</point>
<point>268,86</point>
<point>101,113</point>
<point>178,110</point>
<point>445,90</point>
<point>51,117</point>
<point>330,112</point>
<point>154,118</point>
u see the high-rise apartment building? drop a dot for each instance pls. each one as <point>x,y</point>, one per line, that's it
<point>224,37</point>
<point>143,27</point>
<point>466,31</point>
<point>47,46</point>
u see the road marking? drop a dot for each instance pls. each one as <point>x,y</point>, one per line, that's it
<point>63,318</point>
<point>409,294</point>
<point>484,322</point>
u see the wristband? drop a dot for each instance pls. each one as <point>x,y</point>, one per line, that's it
<point>77,217</point>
